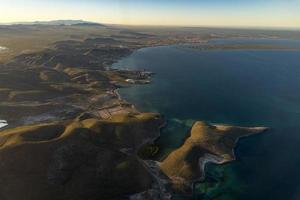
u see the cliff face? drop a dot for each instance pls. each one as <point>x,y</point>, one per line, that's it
<point>207,143</point>
<point>80,159</point>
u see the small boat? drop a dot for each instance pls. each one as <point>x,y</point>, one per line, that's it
<point>3,123</point>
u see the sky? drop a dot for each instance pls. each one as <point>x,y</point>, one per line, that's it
<point>225,13</point>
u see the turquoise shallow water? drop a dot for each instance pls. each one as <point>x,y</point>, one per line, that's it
<point>238,87</point>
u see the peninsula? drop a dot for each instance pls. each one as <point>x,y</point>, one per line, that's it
<point>206,143</point>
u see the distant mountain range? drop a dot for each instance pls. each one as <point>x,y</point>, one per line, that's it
<point>57,23</point>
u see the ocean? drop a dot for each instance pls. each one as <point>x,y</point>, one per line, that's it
<point>236,87</point>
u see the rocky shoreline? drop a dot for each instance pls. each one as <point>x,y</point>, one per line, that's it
<point>207,143</point>
<point>210,158</point>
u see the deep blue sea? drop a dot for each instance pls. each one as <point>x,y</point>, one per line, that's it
<point>238,87</point>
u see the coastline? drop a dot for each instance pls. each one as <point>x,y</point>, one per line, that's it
<point>159,189</point>
<point>202,162</point>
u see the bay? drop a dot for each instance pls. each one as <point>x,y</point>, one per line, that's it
<point>237,87</point>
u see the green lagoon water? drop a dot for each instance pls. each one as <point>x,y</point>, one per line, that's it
<point>237,87</point>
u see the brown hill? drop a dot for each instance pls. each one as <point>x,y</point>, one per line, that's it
<point>80,159</point>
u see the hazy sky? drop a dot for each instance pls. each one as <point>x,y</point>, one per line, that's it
<point>274,13</point>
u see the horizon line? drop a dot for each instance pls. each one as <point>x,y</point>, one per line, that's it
<point>159,25</point>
